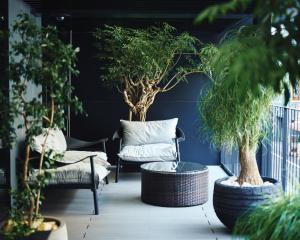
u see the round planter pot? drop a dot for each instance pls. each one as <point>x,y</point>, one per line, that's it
<point>230,202</point>
<point>58,234</point>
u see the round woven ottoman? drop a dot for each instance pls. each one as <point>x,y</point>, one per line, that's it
<point>172,184</point>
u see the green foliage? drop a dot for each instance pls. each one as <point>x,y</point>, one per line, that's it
<point>151,53</point>
<point>231,113</point>
<point>276,219</point>
<point>278,49</point>
<point>37,58</point>
<point>214,11</point>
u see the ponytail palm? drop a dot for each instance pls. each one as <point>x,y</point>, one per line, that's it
<point>233,113</point>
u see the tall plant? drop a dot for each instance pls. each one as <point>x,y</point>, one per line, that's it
<point>233,115</point>
<point>141,63</point>
<point>37,57</point>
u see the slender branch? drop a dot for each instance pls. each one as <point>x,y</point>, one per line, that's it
<point>166,68</point>
<point>167,88</point>
<point>43,154</point>
<point>25,172</point>
<point>171,87</point>
<point>132,82</point>
<point>118,89</point>
<point>127,100</point>
<point>47,119</point>
<point>169,82</point>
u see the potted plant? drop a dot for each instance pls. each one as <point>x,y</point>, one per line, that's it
<point>141,63</point>
<point>271,59</point>
<point>235,115</point>
<point>276,219</point>
<point>37,58</point>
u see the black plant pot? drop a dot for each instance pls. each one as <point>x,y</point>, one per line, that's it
<point>230,202</point>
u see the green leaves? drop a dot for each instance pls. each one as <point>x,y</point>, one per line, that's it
<point>277,219</point>
<point>235,105</point>
<point>214,11</point>
<point>143,53</point>
<point>276,54</point>
<point>39,57</point>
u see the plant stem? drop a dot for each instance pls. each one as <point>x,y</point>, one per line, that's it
<point>37,207</point>
<point>25,183</point>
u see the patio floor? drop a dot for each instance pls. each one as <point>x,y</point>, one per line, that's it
<point>124,217</point>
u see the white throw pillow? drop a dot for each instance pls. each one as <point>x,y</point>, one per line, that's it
<point>56,141</point>
<point>140,133</point>
<point>149,152</point>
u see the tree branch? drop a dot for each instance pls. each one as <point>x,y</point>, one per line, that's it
<point>167,88</point>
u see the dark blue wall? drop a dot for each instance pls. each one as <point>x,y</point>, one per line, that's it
<point>105,107</point>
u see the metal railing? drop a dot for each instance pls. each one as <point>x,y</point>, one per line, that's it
<point>280,153</point>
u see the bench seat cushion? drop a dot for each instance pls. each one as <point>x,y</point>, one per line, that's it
<point>149,152</point>
<point>78,173</point>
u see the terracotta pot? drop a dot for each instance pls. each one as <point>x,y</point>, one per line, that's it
<point>58,234</point>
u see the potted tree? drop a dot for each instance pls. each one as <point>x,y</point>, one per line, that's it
<point>141,63</point>
<point>235,114</point>
<point>37,58</point>
<point>272,61</point>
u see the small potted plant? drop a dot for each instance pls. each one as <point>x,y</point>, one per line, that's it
<point>40,60</point>
<point>141,63</point>
<point>235,115</point>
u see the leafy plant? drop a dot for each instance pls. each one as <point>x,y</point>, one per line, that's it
<point>279,48</point>
<point>276,219</point>
<point>37,57</point>
<point>232,114</point>
<point>141,63</point>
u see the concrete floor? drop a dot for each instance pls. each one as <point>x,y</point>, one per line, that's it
<point>124,217</point>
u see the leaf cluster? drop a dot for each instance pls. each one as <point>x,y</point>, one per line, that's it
<point>37,57</point>
<point>234,108</point>
<point>279,47</point>
<point>152,53</point>
<point>276,219</point>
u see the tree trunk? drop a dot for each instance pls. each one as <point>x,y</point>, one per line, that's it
<point>140,114</point>
<point>130,115</point>
<point>249,169</point>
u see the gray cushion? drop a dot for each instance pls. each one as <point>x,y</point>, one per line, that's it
<point>141,133</point>
<point>2,177</point>
<point>78,173</point>
<point>149,152</point>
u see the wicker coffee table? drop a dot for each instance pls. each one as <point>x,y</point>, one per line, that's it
<point>173,184</point>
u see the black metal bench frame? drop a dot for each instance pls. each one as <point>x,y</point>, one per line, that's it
<point>77,144</point>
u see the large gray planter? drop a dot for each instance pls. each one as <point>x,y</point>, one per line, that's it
<point>58,234</point>
<point>230,202</point>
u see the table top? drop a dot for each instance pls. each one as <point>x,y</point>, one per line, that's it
<point>174,167</point>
